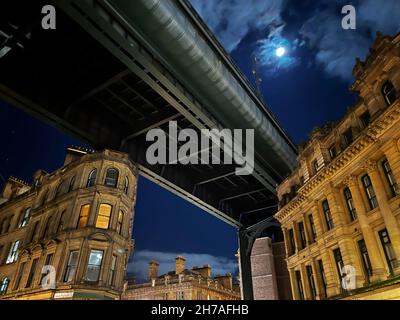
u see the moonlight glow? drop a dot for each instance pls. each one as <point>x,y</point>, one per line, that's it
<point>280,51</point>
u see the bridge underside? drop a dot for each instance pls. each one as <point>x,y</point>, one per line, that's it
<point>91,85</point>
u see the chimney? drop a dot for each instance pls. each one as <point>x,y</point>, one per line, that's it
<point>179,264</point>
<point>204,271</point>
<point>225,281</point>
<point>153,270</point>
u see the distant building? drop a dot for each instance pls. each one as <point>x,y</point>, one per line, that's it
<point>340,209</point>
<point>78,220</point>
<point>183,284</point>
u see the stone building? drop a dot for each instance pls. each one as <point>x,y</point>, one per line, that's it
<point>339,210</point>
<point>183,284</point>
<point>77,220</point>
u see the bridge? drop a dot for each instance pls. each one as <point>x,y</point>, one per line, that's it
<point>114,69</point>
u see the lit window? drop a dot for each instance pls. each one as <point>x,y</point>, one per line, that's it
<point>126,186</point>
<point>103,216</point>
<point>327,215</point>
<point>25,218</point>
<point>31,273</point>
<point>13,254</point>
<point>370,192</point>
<point>94,265</point>
<point>389,93</point>
<point>350,204</point>
<point>71,266</point>
<point>111,178</point>
<point>390,178</point>
<point>91,178</point>
<point>120,221</point>
<point>4,286</point>
<point>83,216</point>
<point>111,276</point>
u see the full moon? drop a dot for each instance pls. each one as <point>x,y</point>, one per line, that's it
<point>280,51</point>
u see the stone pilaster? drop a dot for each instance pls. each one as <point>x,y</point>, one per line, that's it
<point>391,223</point>
<point>378,267</point>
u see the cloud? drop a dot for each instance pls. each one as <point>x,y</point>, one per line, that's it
<point>232,20</point>
<point>337,49</point>
<point>140,261</point>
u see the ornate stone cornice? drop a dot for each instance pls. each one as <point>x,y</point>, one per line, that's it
<point>369,166</point>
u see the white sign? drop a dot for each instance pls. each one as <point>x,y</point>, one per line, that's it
<point>63,295</point>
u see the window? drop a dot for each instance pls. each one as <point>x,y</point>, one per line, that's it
<point>311,282</point>
<point>348,136</point>
<point>94,265</point>
<point>327,215</point>
<point>180,295</point>
<point>91,178</point>
<point>315,166</point>
<point>4,286</point>
<point>71,266</point>
<point>60,226</point>
<point>332,151</point>
<point>103,216</point>
<point>292,243</point>
<point>111,178</point>
<point>365,119</point>
<point>302,235</point>
<point>370,192</point>
<point>390,177</point>
<point>302,180</point>
<point>83,216</point>
<point>25,218</point>
<point>312,226</point>
<point>365,258</point>
<point>388,248</point>
<point>111,275</point>
<point>47,228</point>
<point>389,93</point>
<point>59,189</point>
<point>350,204</point>
<point>120,221</point>
<point>71,184</point>
<point>126,185</point>
<point>48,262</point>
<point>13,255</point>
<point>339,264</point>
<point>33,232</point>
<point>322,275</point>
<point>31,273</point>
<point>20,274</point>
<point>299,285</point>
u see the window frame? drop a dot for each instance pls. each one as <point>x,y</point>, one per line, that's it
<point>68,276</point>
<point>387,95</point>
<point>390,178</point>
<point>5,283</point>
<point>369,192</point>
<point>351,209</point>
<point>92,177</point>
<point>98,266</point>
<point>13,253</point>
<point>108,217</point>
<point>25,217</point>
<point>109,178</point>
<point>327,215</point>
<point>82,217</point>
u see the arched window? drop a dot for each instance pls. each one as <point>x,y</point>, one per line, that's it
<point>103,216</point>
<point>120,221</point>
<point>71,184</point>
<point>4,286</point>
<point>111,178</point>
<point>91,178</point>
<point>126,185</point>
<point>389,93</point>
<point>83,216</point>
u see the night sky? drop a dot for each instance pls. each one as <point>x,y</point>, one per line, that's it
<point>304,88</point>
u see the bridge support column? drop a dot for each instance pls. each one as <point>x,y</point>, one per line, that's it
<point>246,282</point>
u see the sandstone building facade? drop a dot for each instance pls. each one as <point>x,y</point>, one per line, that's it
<point>77,221</point>
<point>340,208</point>
<point>183,284</point>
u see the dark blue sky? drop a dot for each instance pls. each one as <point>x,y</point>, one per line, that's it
<point>305,88</point>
